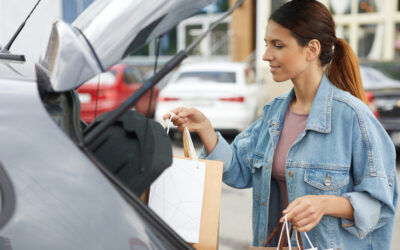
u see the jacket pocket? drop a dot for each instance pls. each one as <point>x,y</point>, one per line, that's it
<point>326,180</point>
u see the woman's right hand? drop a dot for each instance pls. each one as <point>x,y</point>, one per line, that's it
<point>190,118</point>
<point>195,121</point>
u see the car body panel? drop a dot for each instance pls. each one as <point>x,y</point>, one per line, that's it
<point>68,60</point>
<point>102,21</point>
<point>75,53</point>
<point>56,186</point>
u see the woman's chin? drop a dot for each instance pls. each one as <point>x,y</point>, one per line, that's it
<point>278,78</point>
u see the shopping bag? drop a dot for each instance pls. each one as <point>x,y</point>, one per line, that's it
<point>190,170</point>
<point>285,227</point>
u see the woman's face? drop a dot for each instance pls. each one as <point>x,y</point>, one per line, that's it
<point>287,59</point>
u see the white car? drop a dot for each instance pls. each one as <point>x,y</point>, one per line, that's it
<point>226,92</point>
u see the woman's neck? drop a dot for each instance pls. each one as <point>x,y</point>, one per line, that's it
<point>305,88</point>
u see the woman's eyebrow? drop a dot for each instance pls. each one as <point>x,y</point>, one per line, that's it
<point>273,40</point>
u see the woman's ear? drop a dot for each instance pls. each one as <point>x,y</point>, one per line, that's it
<point>313,49</point>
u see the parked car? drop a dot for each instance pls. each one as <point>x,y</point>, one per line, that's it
<point>108,90</point>
<point>382,85</point>
<point>55,194</point>
<point>226,92</point>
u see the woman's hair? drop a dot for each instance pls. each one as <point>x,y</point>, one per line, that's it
<point>310,19</point>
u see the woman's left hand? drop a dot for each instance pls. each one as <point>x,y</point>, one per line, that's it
<point>305,212</point>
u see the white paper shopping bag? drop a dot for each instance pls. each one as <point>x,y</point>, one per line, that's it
<point>177,196</point>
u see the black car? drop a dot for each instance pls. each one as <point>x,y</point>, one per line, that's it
<point>382,85</point>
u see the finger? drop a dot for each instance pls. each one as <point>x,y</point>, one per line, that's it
<point>187,113</point>
<point>297,212</point>
<point>304,214</point>
<point>178,121</point>
<point>302,222</point>
<point>293,204</point>
<point>308,226</point>
<point>175,111</point>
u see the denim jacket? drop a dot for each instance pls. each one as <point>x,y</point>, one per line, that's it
<point>342,151</point>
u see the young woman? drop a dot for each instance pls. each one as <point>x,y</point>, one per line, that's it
<point>317,155</point>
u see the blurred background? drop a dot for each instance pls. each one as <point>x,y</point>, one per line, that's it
<point>225,72</point>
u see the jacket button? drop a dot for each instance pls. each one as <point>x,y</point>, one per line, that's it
<point>266,166</point>
<point>327,181</point>
<point>290,173</point>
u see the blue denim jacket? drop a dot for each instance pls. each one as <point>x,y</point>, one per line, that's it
<point>343,151</point>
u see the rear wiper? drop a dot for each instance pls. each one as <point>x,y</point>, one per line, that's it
<point>92,132</point>
<point>5,53</point>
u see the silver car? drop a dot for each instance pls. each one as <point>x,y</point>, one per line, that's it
<point>54,193</point>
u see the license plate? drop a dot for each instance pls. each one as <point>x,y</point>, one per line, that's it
<point>84,98</point>
<point>395,138</point>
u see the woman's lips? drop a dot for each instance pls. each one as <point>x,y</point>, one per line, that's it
<point>273,68</point>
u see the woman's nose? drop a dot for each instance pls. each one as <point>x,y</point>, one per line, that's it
<point>267,55</point>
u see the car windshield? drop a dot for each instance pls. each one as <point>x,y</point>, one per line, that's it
<point>207,76</point>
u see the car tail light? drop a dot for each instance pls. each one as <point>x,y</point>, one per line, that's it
<point>232,99</point>
<point>167,99</point>
<point>371,103</point>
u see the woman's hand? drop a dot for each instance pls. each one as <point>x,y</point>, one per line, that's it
<point>190,118</point>
<point>197,122</point>
<point>305,212</point>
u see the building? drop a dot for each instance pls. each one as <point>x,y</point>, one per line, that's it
<point>372,27</point>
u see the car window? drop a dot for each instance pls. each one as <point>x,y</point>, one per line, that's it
<point>207,76</point>
<point>129,76</point>
<point>373,78</point>
<point>106,78</point>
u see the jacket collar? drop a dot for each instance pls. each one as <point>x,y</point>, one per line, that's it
<point>319,118</point>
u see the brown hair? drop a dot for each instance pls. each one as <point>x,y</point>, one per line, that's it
<point>310,19</point>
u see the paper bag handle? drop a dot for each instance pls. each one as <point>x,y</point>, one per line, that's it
<point>188,147</point>
<point>277,227</point>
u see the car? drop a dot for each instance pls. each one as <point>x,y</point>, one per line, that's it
<point>226,92</point>
<point>55,193</point>
<point>108,90</point>
<point>381,82</point>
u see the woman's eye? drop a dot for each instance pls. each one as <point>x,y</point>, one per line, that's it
<point>279,46</point>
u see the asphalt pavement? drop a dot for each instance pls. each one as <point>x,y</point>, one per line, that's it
<point>235,214</point>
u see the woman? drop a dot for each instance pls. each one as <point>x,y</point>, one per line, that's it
<point>317,155</point>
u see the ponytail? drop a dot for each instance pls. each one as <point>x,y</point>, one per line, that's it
<point>344,71</point>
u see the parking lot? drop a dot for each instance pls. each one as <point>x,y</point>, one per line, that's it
<point>235,212</point>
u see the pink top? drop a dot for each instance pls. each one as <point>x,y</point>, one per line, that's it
<point>293,125</point>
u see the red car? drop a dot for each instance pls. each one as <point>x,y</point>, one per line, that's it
<point>110,89</point>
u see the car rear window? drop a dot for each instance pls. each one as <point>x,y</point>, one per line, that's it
<point>207,76</point>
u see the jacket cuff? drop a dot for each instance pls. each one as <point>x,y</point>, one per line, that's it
<point>221,152</point>
<point>366,214</point>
